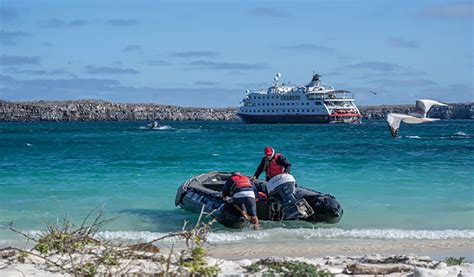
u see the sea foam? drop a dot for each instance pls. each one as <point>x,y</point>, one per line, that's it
<point>462,134</point>
<point>413,137</point>
<point>298,234</point>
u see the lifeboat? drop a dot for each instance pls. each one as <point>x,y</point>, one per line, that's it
<point>304,204</point>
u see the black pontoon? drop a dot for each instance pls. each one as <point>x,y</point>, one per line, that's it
<point>304,204</point>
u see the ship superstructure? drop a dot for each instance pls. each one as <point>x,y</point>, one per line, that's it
<point>315,102</point>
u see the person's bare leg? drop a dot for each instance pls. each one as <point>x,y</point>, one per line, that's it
<point>243,212</point>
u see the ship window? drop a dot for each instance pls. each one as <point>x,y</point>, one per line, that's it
<point>312,110</point>
<point>292,104</point>
<point>276,97</point>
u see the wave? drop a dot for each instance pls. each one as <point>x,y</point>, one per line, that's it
<point>413,137</point>
<point>165,127</point>
<point>279,234</point>
<point>461,133</point>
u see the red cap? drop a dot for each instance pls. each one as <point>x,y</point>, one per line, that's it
<point>268,150</point>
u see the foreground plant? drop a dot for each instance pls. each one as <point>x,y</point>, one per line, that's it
<point>270,267</point>
<point>450,261</point>
<point>79,251</point>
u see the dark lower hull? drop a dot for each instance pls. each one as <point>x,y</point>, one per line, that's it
<point>300,118</point>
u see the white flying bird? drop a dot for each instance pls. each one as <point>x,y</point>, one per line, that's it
<point>415,117</point>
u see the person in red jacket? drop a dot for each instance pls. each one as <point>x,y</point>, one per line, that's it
<point>243,193</point>
<point>273,164</point>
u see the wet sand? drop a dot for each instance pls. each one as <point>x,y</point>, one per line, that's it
<point>436,249</point>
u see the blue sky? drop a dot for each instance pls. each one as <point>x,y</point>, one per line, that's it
<point>207,53</point>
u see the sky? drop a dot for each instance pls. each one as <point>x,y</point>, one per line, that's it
<point>207,53</point>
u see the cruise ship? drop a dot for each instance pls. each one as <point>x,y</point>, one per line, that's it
<point>315,102</point>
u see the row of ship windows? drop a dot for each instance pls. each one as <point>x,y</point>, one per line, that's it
<point>279,104</point>
<point>286,97</point>
<point>297,111</point>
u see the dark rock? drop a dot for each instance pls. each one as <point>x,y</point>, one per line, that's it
<point>96,110</point>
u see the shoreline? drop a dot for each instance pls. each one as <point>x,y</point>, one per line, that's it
<point>99,110</point>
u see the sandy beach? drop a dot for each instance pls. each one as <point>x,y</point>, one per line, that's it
<point>437,249</point>
<point>339,257</point>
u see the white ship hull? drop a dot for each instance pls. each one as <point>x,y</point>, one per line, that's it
<point>313,103</point>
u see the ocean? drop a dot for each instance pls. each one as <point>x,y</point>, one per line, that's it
<point>419,186</point>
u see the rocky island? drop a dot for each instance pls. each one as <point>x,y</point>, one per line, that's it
<point>97,110</point>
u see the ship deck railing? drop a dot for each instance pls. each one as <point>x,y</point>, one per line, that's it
<point>333,95</point>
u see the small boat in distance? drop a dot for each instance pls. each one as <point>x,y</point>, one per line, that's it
<point>153,126</point>
<point>312,103</point>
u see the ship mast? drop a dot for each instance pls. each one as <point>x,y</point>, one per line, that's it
<point>275,79</point>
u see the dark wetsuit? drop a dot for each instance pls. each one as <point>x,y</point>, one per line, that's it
<point>281,160</point>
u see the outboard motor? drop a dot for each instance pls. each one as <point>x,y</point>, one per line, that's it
<point>283,186</point>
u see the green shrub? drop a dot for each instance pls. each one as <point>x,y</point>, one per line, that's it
<point>455,261</point>
<point>286,268</point>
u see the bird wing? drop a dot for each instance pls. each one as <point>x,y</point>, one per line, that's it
<point>394,119</point>
<point>423,106</point>
<point>393,124</point>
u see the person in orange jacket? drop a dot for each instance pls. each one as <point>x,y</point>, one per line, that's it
<point>243,193</point>
<point>273,164</point>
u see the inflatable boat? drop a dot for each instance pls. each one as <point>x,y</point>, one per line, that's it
<point>282,203</point>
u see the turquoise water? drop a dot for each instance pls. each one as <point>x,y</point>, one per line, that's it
<point>417,186</point>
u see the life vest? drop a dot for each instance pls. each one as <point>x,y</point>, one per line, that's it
<point>240,182</point>
<point>273,169</point>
